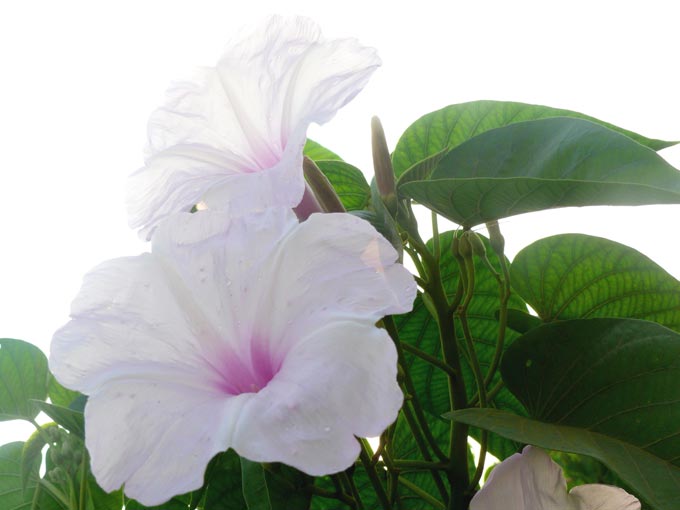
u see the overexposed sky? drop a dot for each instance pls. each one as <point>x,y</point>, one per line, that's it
<point>78,80</point>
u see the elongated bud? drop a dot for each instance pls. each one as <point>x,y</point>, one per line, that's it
<point>477,245</point>
<point>321,187</point>
<point>382,165</point>
<point>496,239</point>
<point>464,246</point>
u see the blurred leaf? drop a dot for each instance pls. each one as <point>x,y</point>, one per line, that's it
<point>23,376</point>
<point>316,151</point>
<point>520,321</point>
<point>449,127</point>
<point>573,276</point>
<point>349,183</point>
<point>544,164</point>
<point>60,395</point>
<point>71,420</point>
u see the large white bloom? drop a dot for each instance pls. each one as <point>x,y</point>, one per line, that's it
<point>233,136</point>
<point>256,334</point>
<point>532,481</point>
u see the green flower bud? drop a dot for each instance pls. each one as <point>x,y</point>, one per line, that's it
<point>382,165</point>
<point>321,187</point>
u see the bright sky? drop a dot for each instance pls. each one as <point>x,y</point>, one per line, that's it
<point>79,78</point>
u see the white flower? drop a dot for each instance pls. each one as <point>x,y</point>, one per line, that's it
<point>532,481</point>
<point>233,136</point>
<point>256,333</point>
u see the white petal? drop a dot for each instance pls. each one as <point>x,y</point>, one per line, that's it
<point>126,318</point>
<point>602,497</point>
<point>333,386</point>
<point>530,480</point>
<point>156,436</point>
<point>236,132</point>
<point>334,267</point>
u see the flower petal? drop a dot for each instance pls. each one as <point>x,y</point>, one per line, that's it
<point>156,436</point>
<point>338,383</point>
<point>523,481</point>
<point>335,267</point>
<point>234,134</point>
<point>602,497</point>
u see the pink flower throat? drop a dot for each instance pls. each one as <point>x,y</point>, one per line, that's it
<point>248,371</point>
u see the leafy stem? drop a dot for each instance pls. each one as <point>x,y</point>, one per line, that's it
<point>365,456</point>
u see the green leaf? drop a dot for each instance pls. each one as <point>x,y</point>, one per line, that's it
<point>521,321</point>
<point>255,490</point>
<point>316,151</point>
<point>23,376</point>
<point>349,183</point>
<point>544,164</point>
<point>12,495</point>
<point>60,395</point>
<point>614,378</point>
<point>419,329</point>
<point>453,125</point>
<point>655,480</point>
<point>573,276</point>
<point>222,489</point>
<point>71,420</point>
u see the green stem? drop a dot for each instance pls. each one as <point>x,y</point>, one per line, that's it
<point>435,237</point>
<point>339,495</point>
<point>490,395</point>
<point>349,486</point>
<point>436,362</point>
<point>419,465</point>
<point>56,493</point>
<point>502,321</point>
<point>421,493</point>
<point>365,456</point>
<point>83,480</point>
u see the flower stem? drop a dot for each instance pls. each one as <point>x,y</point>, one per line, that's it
<point>365,456</point>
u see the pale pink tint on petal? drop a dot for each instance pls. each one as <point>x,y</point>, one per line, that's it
<point>337,383</point>
<point>249,371</point>
<point>246,117</point>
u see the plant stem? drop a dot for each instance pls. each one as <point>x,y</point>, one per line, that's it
<point>419,465</point>
<point>436,362</point>
<point>365,456</point>
<point>479,471</point>
<point>421,493</point>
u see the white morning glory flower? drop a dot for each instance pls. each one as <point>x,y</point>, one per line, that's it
<point>233,136</point>
<point>531,481</point>
<point>255,333</point>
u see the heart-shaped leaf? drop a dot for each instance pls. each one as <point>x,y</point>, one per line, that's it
<point>23,376</point>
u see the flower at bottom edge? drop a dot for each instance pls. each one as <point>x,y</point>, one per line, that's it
<point>256,334</point>
<point>531,480</point>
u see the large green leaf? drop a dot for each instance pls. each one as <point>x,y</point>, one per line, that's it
<point>655,480</point>
<point>419,329</point>
<point>544,164</point>
<point>453,125</point>
<point>23,376</point>
<point>573,276</point>
<point>349,183</point>
<point>619,377</point>
<point>61,395</point>
<point>222,488</point>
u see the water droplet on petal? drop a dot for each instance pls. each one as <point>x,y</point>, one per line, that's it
<point>326,429</point>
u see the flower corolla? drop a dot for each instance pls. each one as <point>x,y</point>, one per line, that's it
<point>531,481</point>
<point>233,135</point>
<point>255,333</point>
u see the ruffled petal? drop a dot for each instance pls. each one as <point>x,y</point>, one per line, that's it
<point>523,481</point>
<point>335,267</point>
<point>338,383</point>
<point>602,497</point>
<point>237,130</point>
<point>156,435</point>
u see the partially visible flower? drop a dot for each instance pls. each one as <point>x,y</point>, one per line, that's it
<point>234,135</point>
<point>255,333</point>
<point>532,481</point>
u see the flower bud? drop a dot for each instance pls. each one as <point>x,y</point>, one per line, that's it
<point>476,244</point>
<point>464,246</point>
<point>496,239</point>
<point>382,165</point>
<point>321,187</point>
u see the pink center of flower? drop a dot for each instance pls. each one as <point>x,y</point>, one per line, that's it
<point>248,371</point>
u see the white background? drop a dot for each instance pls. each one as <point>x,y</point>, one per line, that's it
<point>78,80</point>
